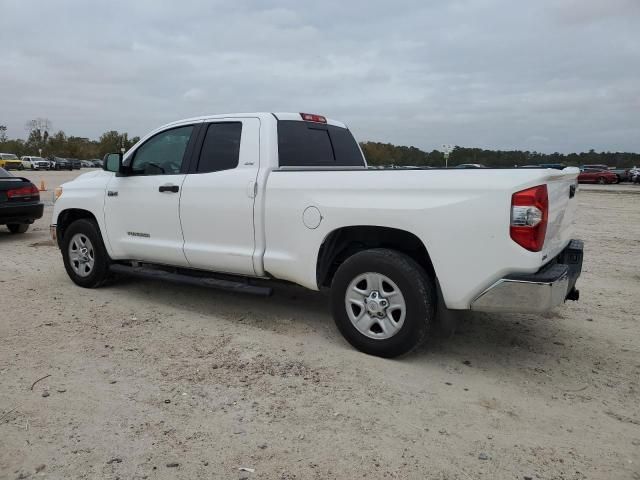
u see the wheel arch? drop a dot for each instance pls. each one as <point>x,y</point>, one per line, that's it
<point>68,216</point>
<point>345,241</point>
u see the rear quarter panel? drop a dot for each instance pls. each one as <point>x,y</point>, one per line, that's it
<point>462,217</point>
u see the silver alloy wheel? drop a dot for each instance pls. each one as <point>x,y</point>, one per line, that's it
<point>81,254</point>
<point>375,305</point>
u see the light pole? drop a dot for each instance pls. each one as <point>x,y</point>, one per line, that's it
<point>446,149</point>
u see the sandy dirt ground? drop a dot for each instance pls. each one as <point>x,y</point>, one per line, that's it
<point>158,381</point>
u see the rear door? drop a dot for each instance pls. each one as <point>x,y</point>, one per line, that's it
<point>142,208</point>
<point>218,195</point>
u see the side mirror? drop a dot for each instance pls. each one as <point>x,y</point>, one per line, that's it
<point>112,162</point>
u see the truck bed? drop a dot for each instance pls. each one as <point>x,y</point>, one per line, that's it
<point>462,216</point>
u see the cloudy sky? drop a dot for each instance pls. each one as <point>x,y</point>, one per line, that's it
<point>546,75</point>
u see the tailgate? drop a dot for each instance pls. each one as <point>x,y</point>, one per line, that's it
<point>562,190</point>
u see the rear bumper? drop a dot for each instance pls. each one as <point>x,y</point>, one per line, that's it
<point>536,292</point>
<point>20,213</point>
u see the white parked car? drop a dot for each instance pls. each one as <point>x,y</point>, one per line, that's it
<point>224,200</point>
<point>35,163</point>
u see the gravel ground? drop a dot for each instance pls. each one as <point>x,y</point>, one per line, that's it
<point>153,380</point>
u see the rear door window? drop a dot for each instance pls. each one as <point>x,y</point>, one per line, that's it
<point>220,148</point>
<point>307,144</point>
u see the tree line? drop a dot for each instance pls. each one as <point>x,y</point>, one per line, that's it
<point>43,142</point>
<point>388,154</point>
<point>40,139</point>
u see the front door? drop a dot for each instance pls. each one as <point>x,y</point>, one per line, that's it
<point>142,207</point>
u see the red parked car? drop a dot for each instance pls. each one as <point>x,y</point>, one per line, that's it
<point>594,175</point>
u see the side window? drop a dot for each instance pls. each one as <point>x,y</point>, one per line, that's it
<point>221,147</point>
<point>163,153</point>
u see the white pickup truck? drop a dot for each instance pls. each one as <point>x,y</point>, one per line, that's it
<point>232,200</point>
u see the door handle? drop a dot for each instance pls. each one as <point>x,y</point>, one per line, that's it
<point>169,188</point>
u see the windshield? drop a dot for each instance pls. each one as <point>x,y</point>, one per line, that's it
<point>8,156</point>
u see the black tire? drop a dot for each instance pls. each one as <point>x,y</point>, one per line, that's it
<point>601,180</point>
<point>100,271</point>
<point>417,288</point>
<point>18,227</point>
<point>20,167</point>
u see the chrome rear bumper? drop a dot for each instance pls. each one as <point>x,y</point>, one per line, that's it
<point>536,292</point>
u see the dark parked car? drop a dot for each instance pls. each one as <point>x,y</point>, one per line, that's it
<point>60,163</point>
<point>75,163</point>
<point>622,173</point>
<point>97,163</point>
<point>594,175</point>
<point>20,202</point>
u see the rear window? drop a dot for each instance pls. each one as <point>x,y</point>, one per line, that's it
<point>308,144</point>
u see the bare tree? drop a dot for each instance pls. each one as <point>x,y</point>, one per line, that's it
<point>42,125</point>
<point>3,133</point>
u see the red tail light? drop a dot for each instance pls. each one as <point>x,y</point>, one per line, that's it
<point>312,117</point>
<point>30,191</point>
<point>529,212</point>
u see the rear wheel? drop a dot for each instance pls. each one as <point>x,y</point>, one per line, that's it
<point>383,302</point>
<point>601,180</point>
<point>18,227</point>
<point>84,255</point>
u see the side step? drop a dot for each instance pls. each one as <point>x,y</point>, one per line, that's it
<point>241,286</point>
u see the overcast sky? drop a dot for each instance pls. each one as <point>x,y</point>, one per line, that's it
<point>546,75</point>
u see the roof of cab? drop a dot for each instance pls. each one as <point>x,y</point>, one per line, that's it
<point>277,115</point>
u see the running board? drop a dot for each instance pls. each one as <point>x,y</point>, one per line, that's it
<point>157,274</point>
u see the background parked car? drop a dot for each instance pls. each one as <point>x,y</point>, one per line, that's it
<point>97,163</point>
<point>594,175</point>
<point>86,163</point>
<point>19,202</point>
<point>75,163</point>
<point>9,161</point>
<point>34,163</point>
<point>595,167</point>
<point>622,173</point>
<point>470,165</point>
<point>60,163</point>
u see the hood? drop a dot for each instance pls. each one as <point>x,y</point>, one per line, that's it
<point>89,177</point>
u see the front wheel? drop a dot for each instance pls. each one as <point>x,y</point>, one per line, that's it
<point>601,181</point>
<point>18,227</point>
<point>85,257</point>
<point>383,302</point>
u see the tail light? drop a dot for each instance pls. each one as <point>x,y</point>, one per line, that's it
<point>24,193</point>
<point>312,117</point>
<point>529,212</point>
